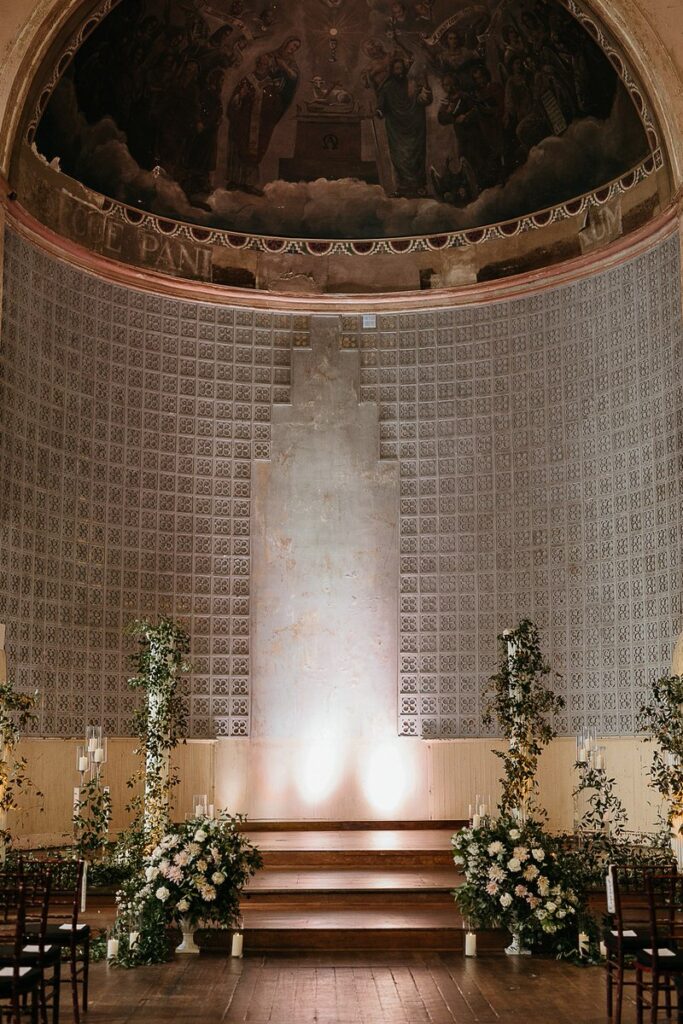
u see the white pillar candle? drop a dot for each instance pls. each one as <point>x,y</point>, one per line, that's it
<point>83,764</point>
<point>600,762</point>
<point>237,944</point>
<point>198,811</point>
<point>112,948</point>
<point>583,757</point>
<point>98,756</point>
<point>469,812</point>
<point>84,887</point>
<point>476,821</point>
<point>211,811</point>
<point>471,944</point>
<point>482,810</point>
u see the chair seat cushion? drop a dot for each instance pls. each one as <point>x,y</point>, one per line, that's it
<point>62,936</point>
<point>27,981</point>
<point>669,958</point>
<point>629,943</point>
<point>30,956</point>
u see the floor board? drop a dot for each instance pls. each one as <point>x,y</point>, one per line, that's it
<point>348,988</point>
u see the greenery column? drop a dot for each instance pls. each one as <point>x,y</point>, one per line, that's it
<point>161,721</point>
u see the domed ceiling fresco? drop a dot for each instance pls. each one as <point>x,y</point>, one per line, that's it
<point>342,119</point>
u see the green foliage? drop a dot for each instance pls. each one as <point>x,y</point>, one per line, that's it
<point>520,877</point>
<point>604,812</point>
<point>635,851</point>
<point>522,704</point>
<point>196,872</point>
<point>161,722</point>
<point>662,720</point>
<point>16,712</point>
<point>91,818</point>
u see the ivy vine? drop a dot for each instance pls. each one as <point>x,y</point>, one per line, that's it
<point>16,713</point>
<point>523,704</point>
<point>161,721</point>
<point>604,812</point>
<point>91,819</point>
<point>662,720</point>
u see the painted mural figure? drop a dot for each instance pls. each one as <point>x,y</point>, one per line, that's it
<point>401,101</point>
<point>256,106</point>
<point>140,112</point>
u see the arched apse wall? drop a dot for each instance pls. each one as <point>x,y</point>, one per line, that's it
<point>538,444</point>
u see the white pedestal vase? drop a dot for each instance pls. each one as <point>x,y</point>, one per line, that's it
<point>517,947</point>
<point>188,945</point>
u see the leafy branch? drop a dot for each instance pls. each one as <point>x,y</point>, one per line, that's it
<point>523,704</point>
<point>16,713</point>
<point>662,719</point>
<point>91,818</point>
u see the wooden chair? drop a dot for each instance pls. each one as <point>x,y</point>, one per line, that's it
<point>661,961</point>
<point>40,954</point>
<point>628,931</point>
<point>20,984</point>
<point>63,927</point>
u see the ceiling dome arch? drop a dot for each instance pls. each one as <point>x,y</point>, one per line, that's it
<point>346,128</point>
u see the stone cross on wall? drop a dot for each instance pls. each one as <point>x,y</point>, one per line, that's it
<point>325,558</point>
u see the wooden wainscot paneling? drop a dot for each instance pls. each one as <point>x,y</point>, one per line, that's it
<point>51,765</point>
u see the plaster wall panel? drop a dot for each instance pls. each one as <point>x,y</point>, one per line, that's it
<point>325,569</point>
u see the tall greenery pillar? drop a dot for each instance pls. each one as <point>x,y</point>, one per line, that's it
<point>522,704</point>
<point>161,720</point>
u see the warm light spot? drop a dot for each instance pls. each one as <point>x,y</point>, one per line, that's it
<point>320,768</point>
<point>386,776</point>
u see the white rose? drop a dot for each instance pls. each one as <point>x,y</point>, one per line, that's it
<point>162,894</point>
<point>151,873</point>
<point>514,864</point>
<point>218,877</point>
<point>551,907</point>
<point>458,859</point>
<point>200,835</point>
<point>514,833</point>
<point>538,853</point>
<point>183,905</point>
<point>505,899</point>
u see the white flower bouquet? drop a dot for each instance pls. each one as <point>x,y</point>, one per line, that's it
<point>518,876</point>
<point>197,872</point>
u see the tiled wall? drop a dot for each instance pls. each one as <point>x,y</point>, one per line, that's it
<point>129,424</point>
<point>540,445</point>
<point>540,452</point>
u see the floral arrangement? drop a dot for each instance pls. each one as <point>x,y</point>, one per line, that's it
<point>199,871</point>
<point>195,873</point>
<point>519,877</point>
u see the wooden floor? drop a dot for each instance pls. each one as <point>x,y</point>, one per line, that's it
<point>351,989</point>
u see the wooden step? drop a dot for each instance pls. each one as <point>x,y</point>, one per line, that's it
<point>346,888</point>
<point>345,848</point>
<point>290,931</point>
